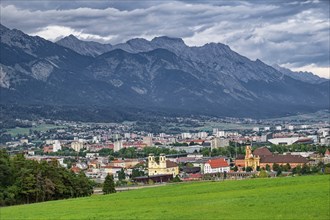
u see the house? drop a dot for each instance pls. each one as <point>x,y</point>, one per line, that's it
<point>240,161</point>
<point>218,165</point>
<point>125,163</point>
<point>326,158</point>
<point>162,167</point>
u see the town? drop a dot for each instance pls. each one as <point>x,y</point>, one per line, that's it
<point>136,157</point>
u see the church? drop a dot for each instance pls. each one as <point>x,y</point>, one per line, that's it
<point>162,167</point>
<point>261,157</point>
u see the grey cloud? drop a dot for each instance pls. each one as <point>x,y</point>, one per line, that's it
<point>275,32</point>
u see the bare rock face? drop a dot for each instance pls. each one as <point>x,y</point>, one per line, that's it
<point>163,73</point>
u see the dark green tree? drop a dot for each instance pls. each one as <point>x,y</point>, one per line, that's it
<point>109,185</point>
<point>121,175</point>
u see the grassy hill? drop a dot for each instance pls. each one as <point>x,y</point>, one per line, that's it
<point>278,198</point>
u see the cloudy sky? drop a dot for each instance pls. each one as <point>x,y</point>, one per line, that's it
<point>294,34</point>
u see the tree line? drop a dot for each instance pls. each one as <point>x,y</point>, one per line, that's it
<point>25,181</point>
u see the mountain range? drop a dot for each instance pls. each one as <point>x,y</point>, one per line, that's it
<point>161,75</point>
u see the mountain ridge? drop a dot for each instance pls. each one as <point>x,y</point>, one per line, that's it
<point>211,80</point>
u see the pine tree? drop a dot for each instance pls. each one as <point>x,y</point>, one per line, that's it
<point>109,185</point>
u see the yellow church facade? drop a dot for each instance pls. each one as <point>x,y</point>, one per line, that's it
<point>162,167</point>
<point>251,160</point>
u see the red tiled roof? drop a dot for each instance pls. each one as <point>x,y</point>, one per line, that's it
<point>283,159</point>
<point>75,169</point>
<point>113,167</point>
<point>327,152</point>
<point>262,151</point>
<point>219,162</point>
<point>170,164</point>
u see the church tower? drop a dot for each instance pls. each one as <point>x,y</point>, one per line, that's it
<point>151,161</point>
<point>162,161</point>
<point>250,160</point>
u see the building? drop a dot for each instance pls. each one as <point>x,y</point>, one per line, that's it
<point>220,133</point>
<point>147,141</point>
<point>266,137</point>
<point>326,158</point>
<point>77,146</point>
<point>218,165</point>
<point>185,135</point>
<point>57,146</point>
<point>278,128</point>
<point>291,140</point>
<point>262,157</point>
<point>251,160</point>
<point>219,142</point>
<point>202,134</point>
<point>117,146</point>
<point>128,163</point>
<point>162,167</point>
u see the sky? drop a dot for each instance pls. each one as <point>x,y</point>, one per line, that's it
<point>293,34</point>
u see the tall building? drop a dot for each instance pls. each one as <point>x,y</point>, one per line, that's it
<point>219,142</point>
<point>56,146</point>
<point>202,134</point>
<point>185,135</point>
<point>117,146</point>
<point>77,146</point>
<point>220,134</point>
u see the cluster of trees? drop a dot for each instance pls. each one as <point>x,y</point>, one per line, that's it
<point>229,151</point>
<point>27,181</point>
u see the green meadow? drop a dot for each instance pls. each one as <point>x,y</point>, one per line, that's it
<point>304,197</point>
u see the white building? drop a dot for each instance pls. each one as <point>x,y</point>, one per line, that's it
<point>202,134</point>
<point>56,146</point>
<point>219,142</point>
<point>255,129</point>
<point>218,165</point>
<point>304,126</point>
<point>290,140</point>
<point>220,134</point>
<point>278,128</point>
<point>117,146</point>
<point>185,135</point>
<point>290,127</point>
<point>266,128</point>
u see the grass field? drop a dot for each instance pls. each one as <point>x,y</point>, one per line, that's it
<point>25,131</point>
<point>277,198</point>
